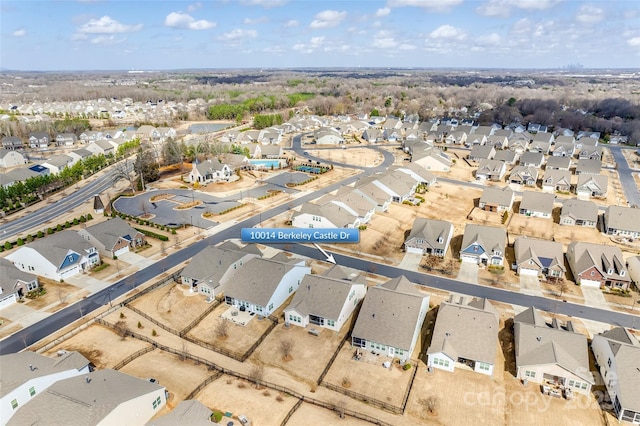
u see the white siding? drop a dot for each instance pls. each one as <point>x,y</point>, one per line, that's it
<point>137,411</point>
<point>305,220</point>
<point>441,361</point>
<point>290,279</point>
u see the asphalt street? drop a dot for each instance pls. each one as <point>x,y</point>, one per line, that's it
<point>629,185</point>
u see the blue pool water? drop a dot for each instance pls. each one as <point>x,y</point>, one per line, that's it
<point>267,164</point>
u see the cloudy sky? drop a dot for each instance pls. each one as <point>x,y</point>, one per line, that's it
<point>152,35</point>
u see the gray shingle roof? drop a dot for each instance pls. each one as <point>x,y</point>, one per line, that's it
<point>56,247</point>
<point>110,231</point>
<point>580,210</point>
<point>588,166</point>
<point>537,201</point>
<point>539,344</point>
<point>257,280</point>
<point>543,253</point>
<point>432,231</point>
<point>190,412</point>
<point>470,332</point>
<point>389,314</point>
<point>335,214</point>
<point>77,401</point>
<point>212,263</point>
<point>15,370</point>
<point>625,218</point>
<point>489,237</point>
<point>582,256</point>
<point>321,295</point>
<point>9,275</point>
<point>499,196</point>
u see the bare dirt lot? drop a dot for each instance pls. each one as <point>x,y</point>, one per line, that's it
<point>312,415</point>
<point>355,156</point>
<point>239,338</point>
<point>7,327</point>
<point>58,294</point>
<point>535,227</point>
<point>229,394</point>
<point>173,305</point>
<point>100,345</point>
<point>633,159</point>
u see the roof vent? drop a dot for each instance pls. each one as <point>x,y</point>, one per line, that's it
<point>87,379</point>
<point>31,367</point>
<point>539,338</point>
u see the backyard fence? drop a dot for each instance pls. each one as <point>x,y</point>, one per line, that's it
<point>364,398</point>
<point>290,413</point>
<point>175,277</point>
<point>202,385</point>
<point>64,337</point>
<point>153,320</point>
<point>133,356</point>
<point>200,317</point>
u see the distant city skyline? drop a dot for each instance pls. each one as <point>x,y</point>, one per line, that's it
<point>165,35</point>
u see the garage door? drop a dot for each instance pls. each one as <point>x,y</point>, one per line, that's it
<point>123,250</point>
<point>470,259</point>
<point>70,272</point>
<point>590,283</point>
<point>414,250</point>
<point>524,271</point>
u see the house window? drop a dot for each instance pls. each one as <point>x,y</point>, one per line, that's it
<point>157,402</point>
<point>609,362</point>
<point>290,289</point>
<point>483,366</point>
<point>32,390</point>
<point>270,306</point>
<point>14,404</point>
<point>531,374</point>
<point>331,323</point>
<point>32,286</point>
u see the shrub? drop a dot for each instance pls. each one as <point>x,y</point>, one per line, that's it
<point>362,227</point>
<point>407,366</point>
<point>8,246</point>
<point>40,234</point>
<point>67,224</point>
<point>89,217</point>
<point>154,333</point>
<point>139,324</point>
<point>76,221</point>
<point>20,242</point>
<point>50,231</point>
<point>122,315</point>
<point>173,232</point>
<point>1,248</point>
<point>59,227</point>
<point>217,416</point>
<point>29,238</point>
<point>152,234</point>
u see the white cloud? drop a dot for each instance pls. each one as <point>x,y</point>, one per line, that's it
<point>384,40</point>
<point>193,7</point>
<point>185,21</point>
<point>503,7</point>
<point>435,5</point>
<point>313,45</point>
<point>327,19</point>
<point>19,33</point>
<point>78,37</point>
<point>385,11</point>
<point>250,21</point>
<point>492,39</point>
<point>107,40</point>
<point>407,46</point>
<point>238,34</point>
<point>589,14</point>
<point>291,24</point>
<point>448,32</point>
<point>107,25</point>
<point>634,42</point>
<point>273,49</point>
<point>264,3</point>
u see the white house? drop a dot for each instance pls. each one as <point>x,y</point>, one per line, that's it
<point>57,256</point>
<point>465,334</point>
<point>390,319</point>
<point>209,171</point>
<point>26,374</point>
<point>617,354</point>
<point>103,397</point>
<point>262,285</point>
<point>14,283</point>
<point>328,215</point>
<point>11,158</point>
<point>325,301</point>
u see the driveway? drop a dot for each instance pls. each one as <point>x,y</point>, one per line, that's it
<point>593,297</point>
<point>468,272</point>
<point>411,261</point>
<point>530,284</point>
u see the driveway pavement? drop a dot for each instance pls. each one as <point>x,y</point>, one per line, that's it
<point>411,261</point>
<point>530,284</point>
<point>594,297</point>
<point>468,272</point>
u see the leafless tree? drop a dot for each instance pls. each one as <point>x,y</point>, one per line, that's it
<point>221,329</point>
<point>286,347</point>
<point>432,261</point>
<point>121,329</point>
<point>430,404</point>
<point>184,353</point>
<point>256,375</point>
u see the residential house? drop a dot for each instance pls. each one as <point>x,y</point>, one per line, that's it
<point>188,412</point>
<point>262,285</point>
<point>325,302</point>
<point>483,245</point>
<point>328,215</point>
<point>101,146</point>
<point>328,136</point>
<point>493,170</point>
<point>89,136</point>
<point>400,186</point>
<point>474,139</point>
<point>582,142</point>
<point>498,142</point>
<point>268,151</point>
<point>58,163</point>
<point>519,144</point>
<point>103,397</point>
<point>209,171</point>
<point>465,334</point>
<point>592,186</point>
<point>617,352</point>
<point>392,135</point>
<point>495,199</point>
<point>14,283</point>
<point>523,175</point>
<point>147,133</point>
<point>623,221</point>
<point>563,150</point>
<point>165,133</point>
<point>80,154</point>
<point>390,319</point>
<point>562,139</point>
<point>588,134</point>
<point>484,130</point>
<point>240,161</point>
<point>26,374</point>
<point>536,204</point>
<point>21,174</point>
<point>211,269</point>
<point>551,355</point>
<point>419,174</point>
<point>558,163</point>
<point>429,236</point>
<point>618,139</point>
<point>11,158</point>
<point>577,212</point>
<point>539,147</point>
<point>57,256</point>
<point>597,265</point>
<point>392,123</point>
<point>556,180</point>
<point>39,139</point>
<point>456,137</point>
<point>539,257</point>
<point>482,152</point>
<point>113,237</point>
<point>633,268</point>
<point>537,128</point>
<point>356,203</point>
<point>545,138</point>
<point>433,159</point>
<point>66,139</point>
<point>12,143</point>
<point>590,152</point>
<point>373,135</point>
<point>532,159</point>
<point>507,156</point>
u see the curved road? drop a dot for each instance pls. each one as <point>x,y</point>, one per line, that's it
<point>629,185</point>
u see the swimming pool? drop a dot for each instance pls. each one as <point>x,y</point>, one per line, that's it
<point>267,164</point>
